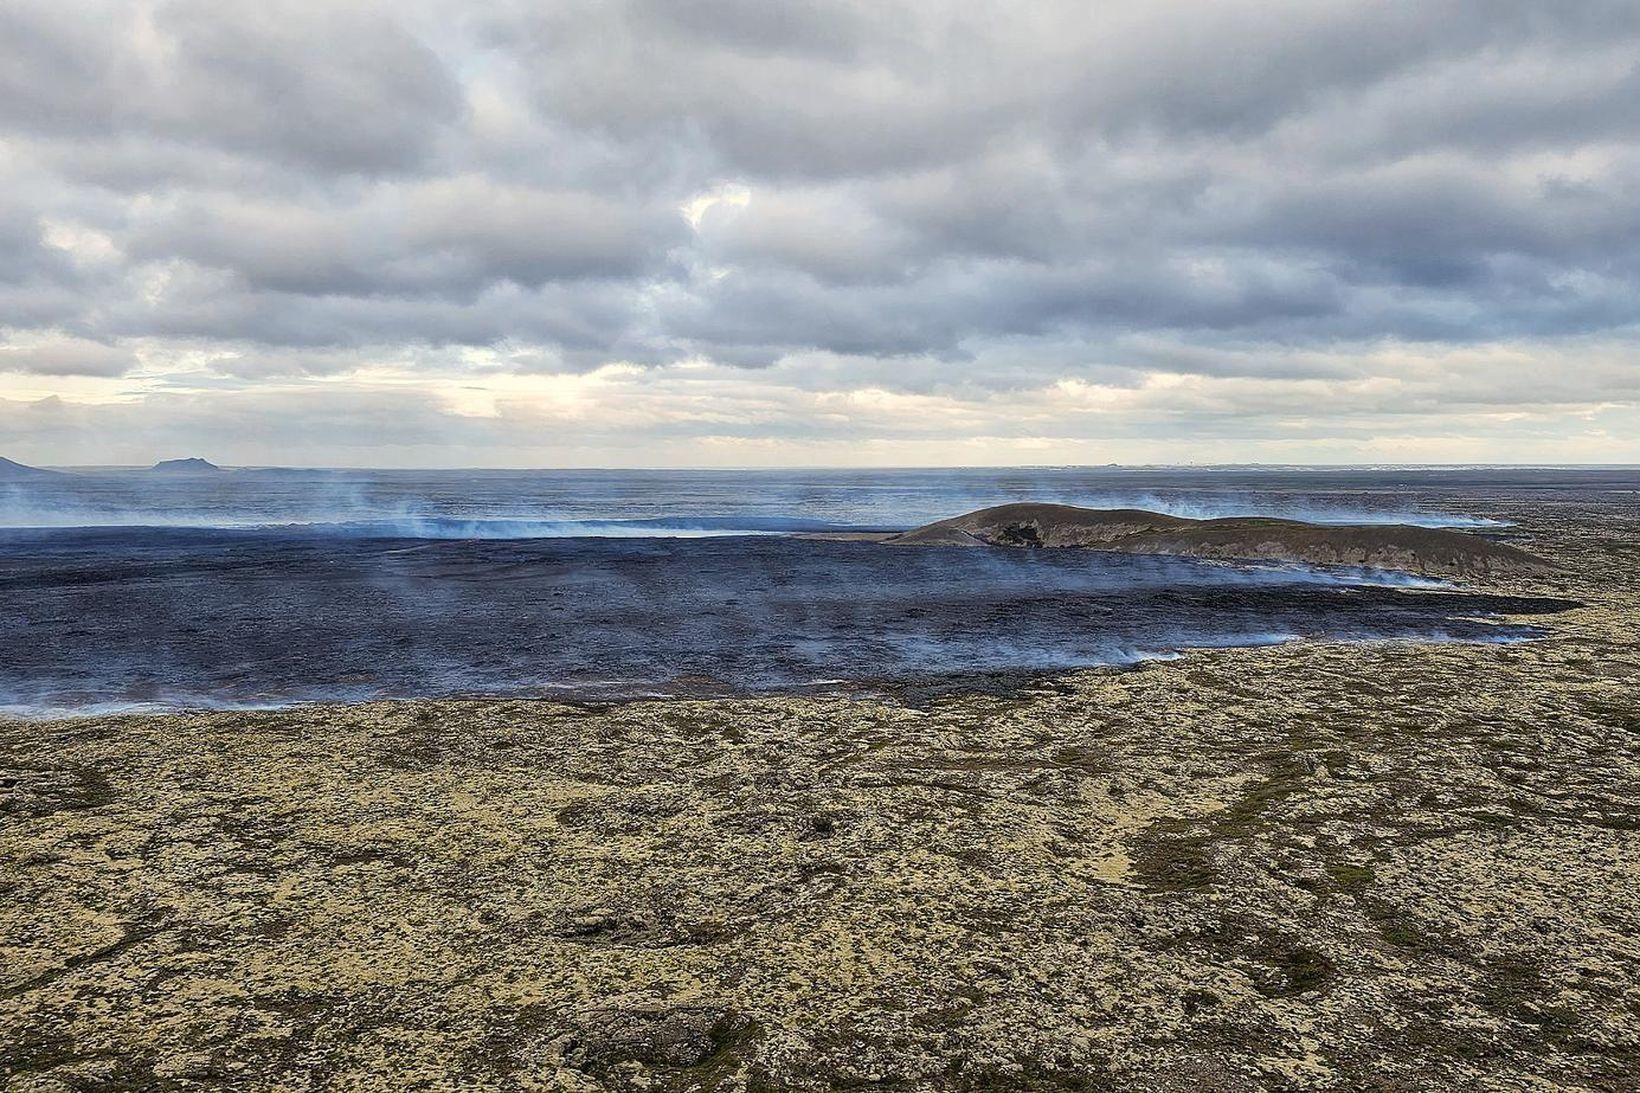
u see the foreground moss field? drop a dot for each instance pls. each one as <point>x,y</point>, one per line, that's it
<point>1330,866</point>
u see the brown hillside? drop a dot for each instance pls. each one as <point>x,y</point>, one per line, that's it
<point>1431,551</point>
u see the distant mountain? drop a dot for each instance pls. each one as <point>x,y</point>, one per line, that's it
<point>9,469</point>
<point>191,465</point>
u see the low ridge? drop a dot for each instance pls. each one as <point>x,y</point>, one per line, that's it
<point>1427,551</point>
<point>12,469</point>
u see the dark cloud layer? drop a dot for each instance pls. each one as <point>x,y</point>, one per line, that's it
<point>980,197</point>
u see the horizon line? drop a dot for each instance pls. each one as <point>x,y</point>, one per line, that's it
<point>650,468</point>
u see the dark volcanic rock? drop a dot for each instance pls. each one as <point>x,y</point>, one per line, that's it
<point>1432,551</point>
<point>655,1036</point>
<point>43,791</point>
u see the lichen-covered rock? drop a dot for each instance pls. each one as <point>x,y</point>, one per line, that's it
<point>1315,866</point>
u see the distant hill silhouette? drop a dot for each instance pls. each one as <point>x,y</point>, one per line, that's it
<point>10,469</point>
<point>191,465</point>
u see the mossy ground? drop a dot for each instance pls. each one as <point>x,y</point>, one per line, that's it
<point>1394,867</point>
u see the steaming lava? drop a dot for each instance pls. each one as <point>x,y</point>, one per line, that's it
<point>1422,550</point>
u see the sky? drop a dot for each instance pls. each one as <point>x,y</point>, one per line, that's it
<point>733,232</point>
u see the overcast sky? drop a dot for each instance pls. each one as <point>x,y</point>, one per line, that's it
<point>654,232</point>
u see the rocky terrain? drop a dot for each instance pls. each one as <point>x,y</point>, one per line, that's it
<point>1427,551</point>
<point>1315,866</point>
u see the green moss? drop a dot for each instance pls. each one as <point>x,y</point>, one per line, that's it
<point>1351,878</point>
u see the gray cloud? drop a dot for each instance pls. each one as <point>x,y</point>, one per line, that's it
<point>324,87</point>
<point>67,356</point>
<point>457,235</point>
<point>908,196</point>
